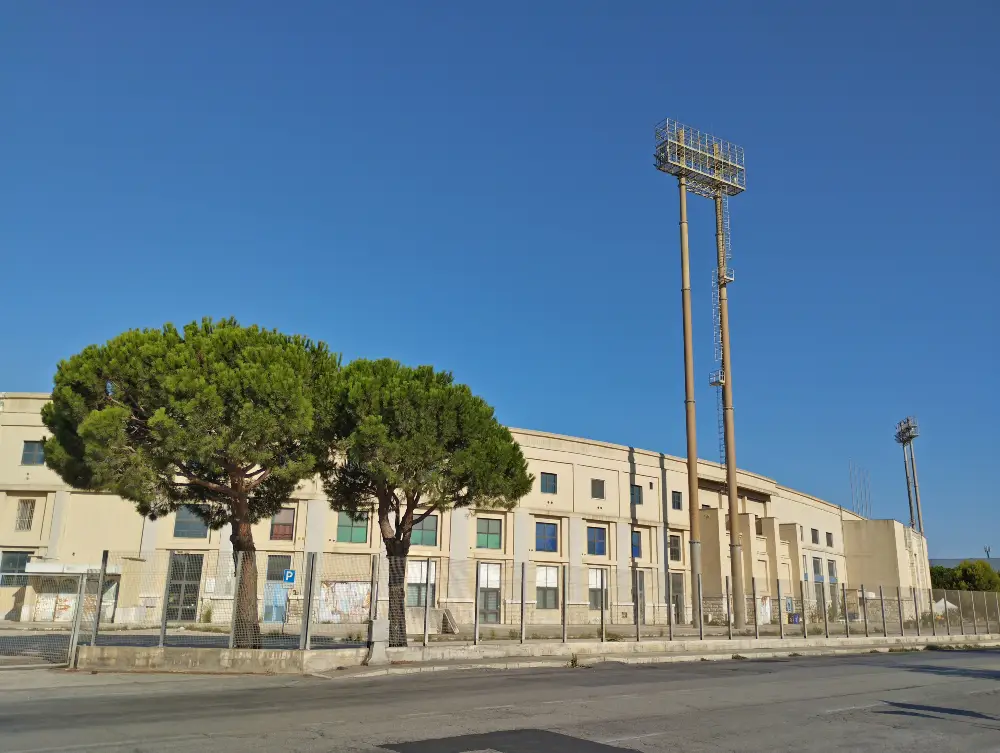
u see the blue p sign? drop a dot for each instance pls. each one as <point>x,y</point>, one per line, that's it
<point>289,576</point>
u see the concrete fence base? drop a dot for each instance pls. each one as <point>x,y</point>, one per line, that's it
<point>262,661</point>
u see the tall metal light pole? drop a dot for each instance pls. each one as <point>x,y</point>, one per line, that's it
<point>906,431</point>
<point>712,168</point>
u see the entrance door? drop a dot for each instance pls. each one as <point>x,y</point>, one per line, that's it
<point>640,595</point>
<point>677,597</point>
<point>185,583</point>
<point>275,593</point>
<point>489,593</point>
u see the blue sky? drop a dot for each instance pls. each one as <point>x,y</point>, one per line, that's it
<point>471,185</point>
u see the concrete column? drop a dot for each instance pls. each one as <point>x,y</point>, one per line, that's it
<point>524,534</point>
<point>577,547</point>
<point>624,561</point>
<point>318,513</point>
<point>459,545</point>
<point>59,515</point>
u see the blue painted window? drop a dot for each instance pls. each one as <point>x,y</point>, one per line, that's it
<point>549,483</point>
<point>636,544</point>
<point>597,541</point>
<point>33,453</point>
<point>546,537</point>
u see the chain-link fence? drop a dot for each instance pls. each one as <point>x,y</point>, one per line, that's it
<point>295,600</point>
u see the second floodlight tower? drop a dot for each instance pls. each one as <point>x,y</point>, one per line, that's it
<point>710,167</point>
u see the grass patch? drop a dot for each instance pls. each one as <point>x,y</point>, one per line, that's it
<point>739,657</point>
<point>794,654</point>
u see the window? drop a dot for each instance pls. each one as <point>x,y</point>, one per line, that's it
<point>637,544</point>
<point>831,570</point>
<point>805,568</point>
<point>276,566</point>
<point>416,582</point>
<point>677,500</point>
<point>597,582</point>
<point>546,587</point>
<point>597,488</point>
<point>488,533</point>
<point>25,514</point>
<point>636,494</point>
<point>184,588</point>
<point>33,453</point>
<point>351,530</point>
<point>11,565</point>
<point>817,570</point>
<point>188,524</point>
<point>675,548</point>
<point>759,526</point>
<point>549,483</point>
<point>597,541</point>
<point>283,525</point>
<point>489,593</point>
<point>802,533</point>
<point>546,537</point>
<point>815,536</point>
<point>829,539</point>
<point>425,533</point>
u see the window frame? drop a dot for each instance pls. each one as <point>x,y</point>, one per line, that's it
<point>285,559</point>
<point>633,488</point>
<point>37,455</point>
<point>546,596</point>
<point>23,523</point>
<point>829,539</point>
<point>352,526</point>
<point>545,479</point>
<point>676,500</point>
<point>416,590</point>
<point>636,544</point>
<point>814,535</point>
<point>594,488</point>
<point>592,589</point>
<point>16,577</point>
<point>187,524</point>
<point>805,567</point>
<point>831,570</point>
<point>290,526</point>
<point>488,534</point>
<point>542,535</point>
<point>671,537</point>
<point>599,542</point>
<point>423,530</point>
<point>817,576</point>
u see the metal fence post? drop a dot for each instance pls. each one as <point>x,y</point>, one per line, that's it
<point>635,604</point>
<point>475,607</point>
<point>670,609</point>
<point>100,590</point>
<point>805,621</point>
<point>826,612</point>
<point>427,603</point>
<point>947,617</point>
<point>961,614</point>
<point>899,608</point>
<point>975,624</point>
<point>781,618</point>
<point>524,594</point>
<point>930,596</point>
<point>729,610</point>
<point>166,598</point>
<point>74,637</point>
<point>701,610</point>
<point>604,598</point>
<point>864,608</point>
<point>373,588</point>
<point>565,602</point>
<point>996,598</point>
<point>847,616</point>
<point>916,608</point>
<point>881,599</point>
<point>237,583</point>
<point>305,629</point>
<point>756,612</point>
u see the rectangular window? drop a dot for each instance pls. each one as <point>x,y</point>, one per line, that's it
<point>597,583</point>
<point>831,570</point>
<point>188,524</point>
<point>597,488</point>
<point>549,483</point>
<point>283,525</point>
<point>597,541</point>
<point>546,587</point>
<point>33,453</point>
<point>805,568</point>
<point>802,533</point>
<point>416,582</point>
<point>276,566</point>
<point>759,526</point>
<point>815,536</point>
<point>351,530</point>
<point>25,514</point>
<point>829,539</point>
<point>636,494</point>
<point>677,500</point>
<point>488,533</point>
<point>12,564</point>
<point>817,570</point>
<point>546,537</point>
<point>675,548</point>
<point>425,533</point>
<point>637,544</point>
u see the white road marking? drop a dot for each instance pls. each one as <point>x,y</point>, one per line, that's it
<point>852,708</point>
<point>492,708</point>
<point>632,737</point>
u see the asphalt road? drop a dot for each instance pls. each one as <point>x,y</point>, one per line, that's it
<point>925,701</point>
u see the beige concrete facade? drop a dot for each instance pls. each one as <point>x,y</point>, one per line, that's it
<point>595,507</point>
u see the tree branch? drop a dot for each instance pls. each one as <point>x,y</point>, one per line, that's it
<point>211,485</point>
<point>255,482</point>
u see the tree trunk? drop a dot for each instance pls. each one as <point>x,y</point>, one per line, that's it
<point>246,624</point>
<point>397,552</point>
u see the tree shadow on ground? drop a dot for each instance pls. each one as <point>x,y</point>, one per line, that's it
<point>916,708</point>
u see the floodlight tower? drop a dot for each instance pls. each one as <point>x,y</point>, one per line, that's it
<point>906,431</point>
<point>712,168</point>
